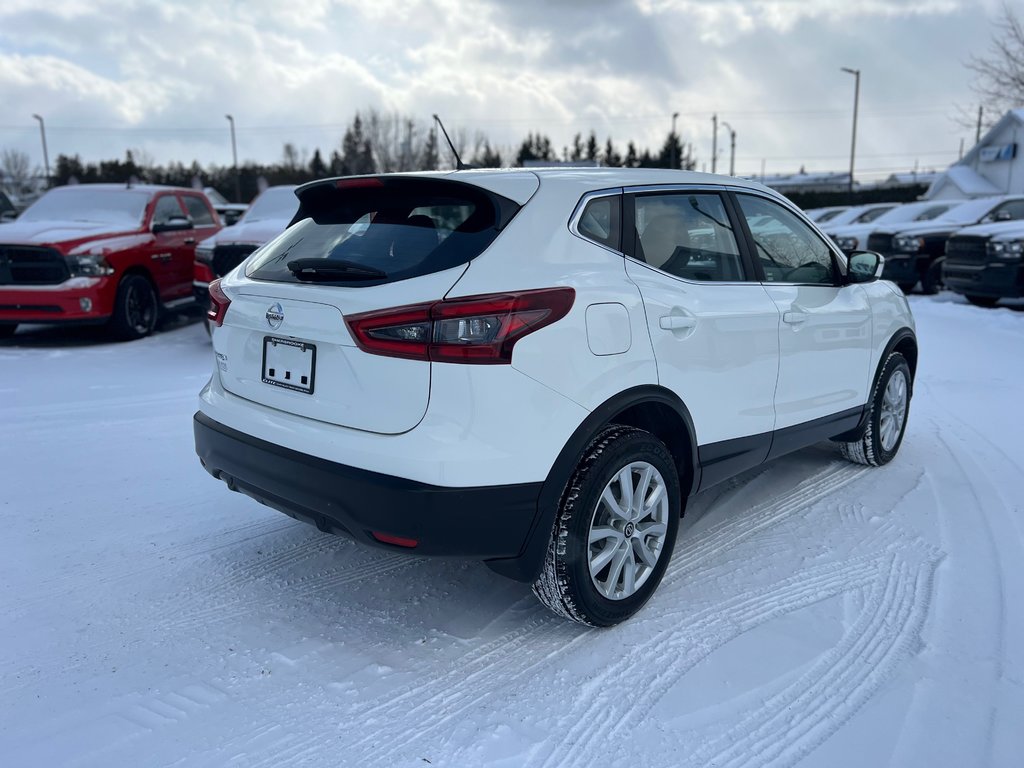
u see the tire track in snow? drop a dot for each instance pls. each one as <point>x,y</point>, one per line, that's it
<point>795,721</point>
<point>691,633</point>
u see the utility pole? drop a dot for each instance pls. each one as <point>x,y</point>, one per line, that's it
<point>732,148</point>
<point>234,155</point>
<point>977,134</point>
<point>714,142</point>
<point>46,155</point>
<point>672,139</point>
<point>856,103</point>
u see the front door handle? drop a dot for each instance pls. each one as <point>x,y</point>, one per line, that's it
<point>794,318</point>
<point>677,322</point>
<point>190,241</point>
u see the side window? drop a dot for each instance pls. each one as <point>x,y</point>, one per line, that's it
<point>601,221</point>
<point>688,235</point>
<point>197,210</point>
<point>1010,211</point>
<point>167,208</point>
<point>788,249</point>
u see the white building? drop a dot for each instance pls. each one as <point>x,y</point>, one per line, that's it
<point>994,166</point>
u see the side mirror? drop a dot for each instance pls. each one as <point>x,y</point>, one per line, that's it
<point>173,224</point>
<point>864,266</point>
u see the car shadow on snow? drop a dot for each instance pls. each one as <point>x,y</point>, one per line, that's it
<point>34,336</point>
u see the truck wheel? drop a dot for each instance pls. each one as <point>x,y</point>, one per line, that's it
<point>614,530</point>
<point>906,287</point>
<point>982,301</point>
<point>136,309</point>
<point>7,330</point>
<point>887,416</point>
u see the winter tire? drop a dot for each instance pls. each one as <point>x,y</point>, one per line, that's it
<point>982,301</point>
<point>136,309</point>
<point>614,530</point>
<point>887,416</point>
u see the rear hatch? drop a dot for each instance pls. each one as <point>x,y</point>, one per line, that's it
<point>356,245</point>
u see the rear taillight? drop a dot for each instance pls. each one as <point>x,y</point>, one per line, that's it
<point>202,272</point>
<point>475,329</point>
<point>219,303</point>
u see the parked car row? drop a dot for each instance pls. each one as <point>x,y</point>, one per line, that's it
<point>122,255</point>
<point>968,246</point>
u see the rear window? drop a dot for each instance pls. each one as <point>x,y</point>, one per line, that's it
<point>368,231</point>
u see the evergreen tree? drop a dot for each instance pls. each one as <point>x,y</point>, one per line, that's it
<point>429,157</point>
<point>357,154</point>
<point>577,148</point>
<point>611,158</point>
<point>535,147</point>
<point>317,166</point>
<point>592,149</point>
<point>671,153</point>
<point>631,161</point>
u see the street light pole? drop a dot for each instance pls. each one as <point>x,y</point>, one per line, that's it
<point>732,148</point>
<point>234,155</point>
<point>672,139</point>
<point>714,142</point>
<point>46,155</point>
<point>853,140</point>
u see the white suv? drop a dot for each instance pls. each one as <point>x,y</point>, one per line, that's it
<point>537,368</point>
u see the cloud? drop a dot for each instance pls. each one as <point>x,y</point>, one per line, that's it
<point>114,74</point>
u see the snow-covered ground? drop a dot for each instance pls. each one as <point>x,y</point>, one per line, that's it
<point>816,612</point>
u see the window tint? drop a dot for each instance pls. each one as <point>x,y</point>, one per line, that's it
<point>167,208</point>
<point>394,229</point>
<point>687,235</point>
<point>600,221</point>
<point>1010,211</point>
<point>201,216</point>
<point>788,249</point>
<point>868,216</point>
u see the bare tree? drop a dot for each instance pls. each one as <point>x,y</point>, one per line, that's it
<point>15,172</point>
<point>999,74</point>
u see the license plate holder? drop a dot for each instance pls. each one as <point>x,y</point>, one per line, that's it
<point>289,364</point>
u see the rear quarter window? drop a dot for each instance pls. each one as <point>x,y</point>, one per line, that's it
<point>396,228</point>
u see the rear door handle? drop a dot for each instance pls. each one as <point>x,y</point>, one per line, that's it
<point>190,241</point>
<point>794,318</point>
<point>677,322</point>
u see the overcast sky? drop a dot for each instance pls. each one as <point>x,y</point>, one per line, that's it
<point>109,75</point>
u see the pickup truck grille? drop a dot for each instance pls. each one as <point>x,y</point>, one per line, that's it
<point>32,265</point>
<point>880,242</point>
<point>227,257</point>
<point>967,249</point>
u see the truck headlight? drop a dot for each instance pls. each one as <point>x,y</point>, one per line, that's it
<point>204,255</point>
<point>846,243</point>
<point>89,265</point>
<point>1006,249</point>
<point>906,244</point>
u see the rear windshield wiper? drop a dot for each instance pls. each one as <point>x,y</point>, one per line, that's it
<point>333,269</point>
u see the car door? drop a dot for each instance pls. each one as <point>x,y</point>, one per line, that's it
<point>825,334</point>
<point>713,327</point>
<point>167,248</point>
<point>204,225</point>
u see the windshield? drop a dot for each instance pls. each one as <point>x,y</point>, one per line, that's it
<point>387,230</point>
<point>118,207</point>
<point>274,203</point>
<point>871,215</point>
<point>970,212</point>
<point>829,215</point>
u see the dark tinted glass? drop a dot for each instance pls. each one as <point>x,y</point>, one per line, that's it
<point>401,227</point>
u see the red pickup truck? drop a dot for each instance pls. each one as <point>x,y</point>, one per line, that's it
<point>102,253</point>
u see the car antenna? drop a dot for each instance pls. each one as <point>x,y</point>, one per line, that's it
<point>459,165</point>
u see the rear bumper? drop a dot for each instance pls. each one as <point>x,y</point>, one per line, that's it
<point>482,523</point>
<point>1003,280</point>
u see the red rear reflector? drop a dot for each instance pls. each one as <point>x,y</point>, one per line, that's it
<point>475,329</point>
<point>219,303</point>
<point>359,183</point>
<point>398,541</point>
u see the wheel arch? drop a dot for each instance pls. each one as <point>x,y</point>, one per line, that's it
<point>648,407</point>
